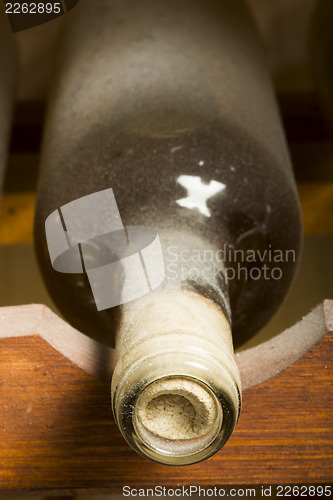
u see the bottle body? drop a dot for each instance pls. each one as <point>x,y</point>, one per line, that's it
<point>169,104</point>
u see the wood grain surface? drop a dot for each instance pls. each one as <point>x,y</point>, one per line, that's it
<point>57,434</point>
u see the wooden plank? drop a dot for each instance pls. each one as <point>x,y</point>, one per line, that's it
<point>317,207</point>
<point>17,212</point>
<point>57,434</point>
<point>307,135</point>
<point>255,365</point>
<point>16,218</point>
<point>301,112</point>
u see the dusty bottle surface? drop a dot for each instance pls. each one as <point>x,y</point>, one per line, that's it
<point>8,71</point>
<point>170,105</point>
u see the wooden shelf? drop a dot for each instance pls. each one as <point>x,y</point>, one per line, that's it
<point>57,434</point>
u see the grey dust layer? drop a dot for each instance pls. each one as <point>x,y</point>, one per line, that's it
<point>170,105</point>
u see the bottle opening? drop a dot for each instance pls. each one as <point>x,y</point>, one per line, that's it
<point>177,416</point>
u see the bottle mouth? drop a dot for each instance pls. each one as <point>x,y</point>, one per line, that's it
<point>178,416</point>
<point>175,407</point>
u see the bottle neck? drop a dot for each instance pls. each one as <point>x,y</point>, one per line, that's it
<point>176,387</point>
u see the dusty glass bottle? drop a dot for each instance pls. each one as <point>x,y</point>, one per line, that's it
<point>8,71</point>
<point>170,105</point>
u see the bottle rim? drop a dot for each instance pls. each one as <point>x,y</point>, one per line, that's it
<point>195,365</point>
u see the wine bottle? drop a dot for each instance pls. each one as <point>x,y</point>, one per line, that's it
<point>163,113</point>
<point>8,70</point>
